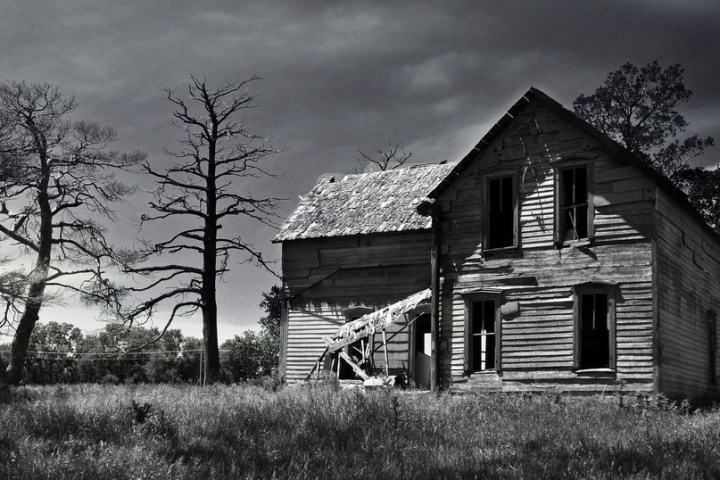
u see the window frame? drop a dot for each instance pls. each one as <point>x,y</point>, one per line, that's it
<point>470,301</point>
<point>486,211</point>
<point>559,232</point>
<point>594,288</point>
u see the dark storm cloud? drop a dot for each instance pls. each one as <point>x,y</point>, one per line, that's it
<point>343,76</point>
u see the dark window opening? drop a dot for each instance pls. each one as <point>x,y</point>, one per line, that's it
<point>594,331</point>
<point>501,213</point>
<point>573,204</point>
<point>482,336</point>
<point>423,334</point>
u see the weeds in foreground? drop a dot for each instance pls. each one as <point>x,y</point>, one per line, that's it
<point>318,431</point>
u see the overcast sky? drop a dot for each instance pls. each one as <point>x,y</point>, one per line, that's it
<point>343,76</point>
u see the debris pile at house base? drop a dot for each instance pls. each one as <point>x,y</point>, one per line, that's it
<point>374,383</point>
<point>366,326</point>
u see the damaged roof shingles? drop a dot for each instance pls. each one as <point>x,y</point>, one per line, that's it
<point>364,203</point>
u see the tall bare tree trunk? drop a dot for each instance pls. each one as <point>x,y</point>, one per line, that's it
<point>25,327</point>
<point>38,277</point>
<point>209,301</point>
<point>217,152</point>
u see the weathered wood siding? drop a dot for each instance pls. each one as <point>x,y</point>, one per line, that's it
<point>326,276</point>
<point>537,343</point>
<point>688,273</point>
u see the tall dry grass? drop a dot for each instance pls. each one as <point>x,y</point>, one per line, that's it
<point>318,431</point>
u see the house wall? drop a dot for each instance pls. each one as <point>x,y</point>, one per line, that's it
<point>688,259</point>
<point>537,343</point>
<point>326,276</point>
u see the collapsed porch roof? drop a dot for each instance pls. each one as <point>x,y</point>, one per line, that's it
<point>371,322</point>
<point>366,326</point>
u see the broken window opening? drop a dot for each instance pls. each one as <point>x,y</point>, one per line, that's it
<point>594,331</point>
<point>501,212</point>
<point>573,204</point>
<point>482,344</point>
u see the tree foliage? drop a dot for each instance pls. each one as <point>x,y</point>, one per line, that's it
<point>57,183</point>
<point>638,108</point>
<point>61,353</point>
<point>272,303</point>
<point>204,190</point>
<point>250,355</point>
<point>703,189</point>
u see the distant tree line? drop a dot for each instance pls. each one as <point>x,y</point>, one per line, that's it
<point>61,353</point>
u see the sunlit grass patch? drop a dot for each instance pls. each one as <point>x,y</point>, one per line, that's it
<point>318,431</point>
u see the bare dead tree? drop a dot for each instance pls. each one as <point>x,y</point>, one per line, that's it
<point>380,159</point>
<point>217,157</point>
<point>57,183</point>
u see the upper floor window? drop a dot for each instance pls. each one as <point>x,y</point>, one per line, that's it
<point>574,218</point>
<point>501,211</point>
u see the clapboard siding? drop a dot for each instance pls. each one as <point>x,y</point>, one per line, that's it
<point>540,277</point>
<point>325,276</point>
<point>688,264</point>
<point>327,268</point>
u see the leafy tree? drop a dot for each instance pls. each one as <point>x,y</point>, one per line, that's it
<point>250,355</point>
<point>272,302</point>
<point>59,184</point>
<point>638,108</point>
<point>255,354</point>
<point>54,340</point>
<point>203,189</point>
<point>703,189</point>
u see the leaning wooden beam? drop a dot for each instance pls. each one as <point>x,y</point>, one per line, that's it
<point>317,364</point>
<point>359,371</point>
<point>378,320</point>
<point>387,362</point>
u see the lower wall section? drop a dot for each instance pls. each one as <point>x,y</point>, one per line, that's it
<point>548,382</point>
<point>537,344</point>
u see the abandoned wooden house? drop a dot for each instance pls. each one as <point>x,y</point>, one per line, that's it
<point>547,257</point>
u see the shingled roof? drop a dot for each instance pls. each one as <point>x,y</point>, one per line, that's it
<point>364,203</point>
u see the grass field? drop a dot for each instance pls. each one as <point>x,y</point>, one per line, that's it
<point>158,431</point>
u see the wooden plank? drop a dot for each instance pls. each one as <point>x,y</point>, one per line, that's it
<point>358,371</point>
